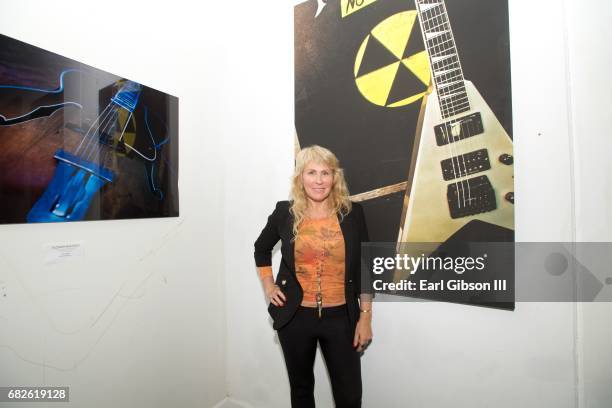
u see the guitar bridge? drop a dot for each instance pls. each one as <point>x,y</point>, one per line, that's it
<point>72,188</point>
<point>470,197</point>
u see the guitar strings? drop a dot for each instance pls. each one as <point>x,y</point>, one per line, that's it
<point>104,126</point>
<point>108,129</point>
<point>431,53</point>
<point>448,109</point>
<point>111,146</point>
<point>470,142</point>
<point>132,148</point>
<point>115,121</point>
<point>92,134</point>
<point>450,148</point>
<point>95,136</point>
<point>108,148</point>
<point>97,120</point>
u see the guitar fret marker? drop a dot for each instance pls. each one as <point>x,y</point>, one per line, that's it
<point>444,61</point>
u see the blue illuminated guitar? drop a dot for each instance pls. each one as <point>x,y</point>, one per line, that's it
<point>81,171</point>
<point>79,175</point>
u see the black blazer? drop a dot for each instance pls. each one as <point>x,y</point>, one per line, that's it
<point>280,226</point>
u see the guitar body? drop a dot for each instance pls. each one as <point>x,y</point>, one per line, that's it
<point>474,153</point>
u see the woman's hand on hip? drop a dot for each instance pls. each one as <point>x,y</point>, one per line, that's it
<point>274,293</point>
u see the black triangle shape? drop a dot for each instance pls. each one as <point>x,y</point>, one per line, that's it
<point>376,56</point>
<point>415,41</point>
<point>405,85</point>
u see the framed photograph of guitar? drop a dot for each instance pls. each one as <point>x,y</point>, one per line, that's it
<point>414,96</point>
<point>78,143</point>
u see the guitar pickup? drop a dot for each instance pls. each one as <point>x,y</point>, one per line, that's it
<point>469,197</point>
<point>465,164</point>
<point>459,129</point>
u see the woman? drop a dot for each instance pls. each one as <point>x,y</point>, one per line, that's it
<point>318,296</point>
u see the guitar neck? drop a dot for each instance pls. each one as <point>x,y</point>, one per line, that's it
<point>127,97</point>
<point>443,57</point>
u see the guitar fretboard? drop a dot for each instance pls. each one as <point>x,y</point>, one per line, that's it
<point>443,57</point>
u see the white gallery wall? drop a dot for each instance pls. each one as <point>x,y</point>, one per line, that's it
<point>437,355</point>
<point>138,320</point>
<point>170,312</point>
<point>589,57</point>
<point>430,355</point>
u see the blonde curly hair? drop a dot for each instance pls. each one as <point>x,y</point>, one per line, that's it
<point>339,195</point>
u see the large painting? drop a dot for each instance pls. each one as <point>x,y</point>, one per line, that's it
<point>78,143</point>
<point>415,99</point>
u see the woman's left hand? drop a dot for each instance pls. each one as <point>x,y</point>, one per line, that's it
<point>363,333</point>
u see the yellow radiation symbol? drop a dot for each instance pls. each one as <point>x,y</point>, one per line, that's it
<point>391,69</point>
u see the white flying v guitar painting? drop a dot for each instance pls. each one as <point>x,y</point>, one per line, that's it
<point>463,167</point>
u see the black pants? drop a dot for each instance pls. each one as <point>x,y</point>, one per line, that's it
<point>299,342</point>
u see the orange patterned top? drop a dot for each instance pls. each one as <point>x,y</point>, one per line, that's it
<point>319,257</point>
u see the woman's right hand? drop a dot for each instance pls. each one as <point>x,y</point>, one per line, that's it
<point>274,293</point>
